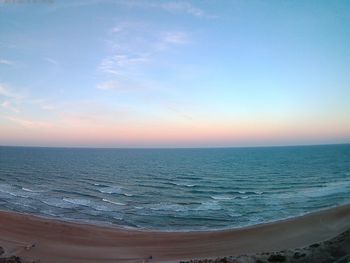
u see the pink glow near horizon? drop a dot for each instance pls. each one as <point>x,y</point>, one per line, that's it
<point>171,134</point>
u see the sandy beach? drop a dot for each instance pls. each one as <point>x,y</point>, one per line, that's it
<point>45,240</point>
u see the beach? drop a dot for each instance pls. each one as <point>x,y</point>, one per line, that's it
<point>40,239</point>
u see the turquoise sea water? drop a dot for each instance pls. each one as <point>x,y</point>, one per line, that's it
<point>174,189</point>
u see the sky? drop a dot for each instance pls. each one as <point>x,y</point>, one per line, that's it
<point>174,73</point>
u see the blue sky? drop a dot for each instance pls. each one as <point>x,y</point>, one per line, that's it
<point>174,73</point>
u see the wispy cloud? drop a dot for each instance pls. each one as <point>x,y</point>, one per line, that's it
<point>9,93</point>
<point>7,62</point>
<point>122,86</point>
<point>176,37</point>
<point>28,123</point>
<point>13,100</point>
<point>133,44</point>
<point>184,7</point>
<point>117,64</point>
<point>47,107</point>
<point>51,60</point>
<point>9,106</point>
<point>175,7</point>
<point>179,110</point>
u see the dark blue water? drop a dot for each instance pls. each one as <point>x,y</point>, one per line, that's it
<point>174,189</point>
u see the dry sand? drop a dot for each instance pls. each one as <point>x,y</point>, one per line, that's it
<point>46,240</point>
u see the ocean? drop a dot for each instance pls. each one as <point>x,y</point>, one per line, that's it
<point>174,189</point>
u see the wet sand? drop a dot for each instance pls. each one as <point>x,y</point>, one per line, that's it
<point>46,240</point>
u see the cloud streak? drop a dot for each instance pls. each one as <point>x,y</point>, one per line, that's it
<point>9,106</point>
<point>30,123</point>
<point>120,86</point>
<point>7,62</point>
<point>133,45</point>
<point>51,61</point>
<point>184,7</point>
<point>175,7</point>
<point>119,63</point>
<point>9,93</point>
<point>175,38</point>
<point>134,50</point>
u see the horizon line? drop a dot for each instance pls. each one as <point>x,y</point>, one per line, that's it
<point>176,148</point>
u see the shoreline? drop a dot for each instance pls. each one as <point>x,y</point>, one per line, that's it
<point>55,240</point>
<point>110,225</point>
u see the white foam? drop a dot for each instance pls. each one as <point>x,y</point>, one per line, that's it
<point>222,197</point>
<point>210,205</point>
<point>31,191</point>
<point>113,202</point>
<point>58,203</point>
<point>13,191</point>
<point>328,189</point>
<point>118,217</point>
<point>110,190</point>
<point>167,207</point>
<point>7,189</point>
<point>235,214</point>
<point>77,201</point>
<point>102,208</point>
<point>27,189</point>
<point>183,184</point>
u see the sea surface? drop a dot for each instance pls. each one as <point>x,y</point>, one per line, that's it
<point>174,189</point>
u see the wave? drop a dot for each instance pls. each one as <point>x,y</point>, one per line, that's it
<point>168,207</point>
<point>27,189</point>
<point>31,190</point>
<point>221,197</point>
<point>181,184</point>
<point>57,202</point>
<point>118,217</point>
<point>7,189</point>
<point>110,190</point>
<point>235,215</point>
<point>12,191</point>
<point>74,192</point>
<point>77,201</point>
<point>210,205</point>
<point>328,189</point>
<point>70,203</point>
<point>49,213</point>
<point>113,202</point>
<point>100,184</point>
<point>250,192</point>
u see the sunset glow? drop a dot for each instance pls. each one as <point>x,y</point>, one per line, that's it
<point>174,74</point>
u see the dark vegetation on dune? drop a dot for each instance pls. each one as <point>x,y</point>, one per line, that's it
<point>10,259</point>
<point>336,250</point>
